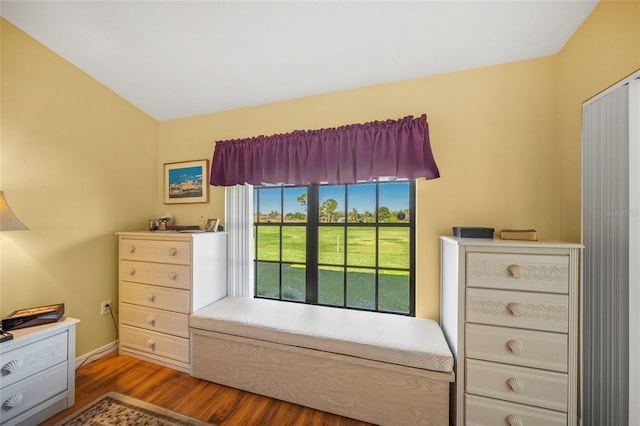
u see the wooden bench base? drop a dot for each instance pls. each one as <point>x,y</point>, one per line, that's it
<point>371,391</point>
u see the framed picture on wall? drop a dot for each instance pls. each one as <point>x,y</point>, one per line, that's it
<point>186,182</point>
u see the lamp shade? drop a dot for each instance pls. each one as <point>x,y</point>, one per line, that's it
<point>8,220</point>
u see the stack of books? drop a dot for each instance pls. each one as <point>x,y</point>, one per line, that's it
<point>519,234</point>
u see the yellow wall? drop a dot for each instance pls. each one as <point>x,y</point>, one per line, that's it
<point>78,164</point>
<point>492,132</point>
<point>604,50</point>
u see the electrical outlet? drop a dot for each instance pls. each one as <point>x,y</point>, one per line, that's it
<point>105,307</point>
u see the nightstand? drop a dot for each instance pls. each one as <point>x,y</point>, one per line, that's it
<point>38,372</point>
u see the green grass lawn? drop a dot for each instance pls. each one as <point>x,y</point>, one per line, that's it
<point>394,253</point>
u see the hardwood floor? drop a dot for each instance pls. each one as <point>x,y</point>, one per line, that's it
<point>187,395</point>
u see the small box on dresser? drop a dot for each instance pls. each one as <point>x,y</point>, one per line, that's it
<point>509,311</point>
<point>38,372</point>
<point>165,277</point>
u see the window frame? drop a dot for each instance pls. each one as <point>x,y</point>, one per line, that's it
<point>313,226</point>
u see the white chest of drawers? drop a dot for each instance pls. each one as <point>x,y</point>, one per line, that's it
<point>37,369</point>
<point>164,277</point>
<point>509,310</point>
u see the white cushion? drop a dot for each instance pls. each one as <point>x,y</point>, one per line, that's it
<point>396,339</point>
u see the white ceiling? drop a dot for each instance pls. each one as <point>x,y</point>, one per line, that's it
<point>176,59</point>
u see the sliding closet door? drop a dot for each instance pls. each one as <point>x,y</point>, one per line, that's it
<point>634,251</point>
<point>606,213</point>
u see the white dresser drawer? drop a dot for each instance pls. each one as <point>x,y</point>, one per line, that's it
<point>154,319</point>
<point>155,297</point>
<point>167,275</point>
<point>27,360</point>
<point>178,252</point>
<point>538,349</point>
<point>490,412</point>
<point>517,384</point>
<point>514,271</point>
<point>537,311</point>
<point>26,394</point>
<point>176,348</point>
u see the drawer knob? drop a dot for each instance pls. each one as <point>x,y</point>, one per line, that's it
<point>173,251</point>
<point>173,275</point>
<point>132,249</point>
<point>515,271</point>
<point>515,346</point>
<point>515,384</point>
<point>132,271</point>
<point>514,420</point>
<point>13,401</point>
<point>151,298</point>
<point>12,365</point>
<point>151,321</point>
<point>151,344</point>
<point>515,309</point>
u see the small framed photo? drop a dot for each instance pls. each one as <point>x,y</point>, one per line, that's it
<point>186,182</point>
<point>212,225</point>
<point>154,225</point>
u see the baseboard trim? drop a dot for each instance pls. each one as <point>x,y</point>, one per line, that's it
<point>96,354</point>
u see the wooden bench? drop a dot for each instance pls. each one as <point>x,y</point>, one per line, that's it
<point>374,367</point>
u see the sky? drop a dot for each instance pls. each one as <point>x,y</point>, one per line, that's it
<point>184,174</point>
<point>395,196</point>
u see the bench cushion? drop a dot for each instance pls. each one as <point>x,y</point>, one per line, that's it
<point>396,339</point>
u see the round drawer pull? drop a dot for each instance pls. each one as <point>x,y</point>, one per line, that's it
<point>515,346</point>
<point>173,251</point>
<point>13,401</point>
<point>173,275</point>
<point>151,298</point>
<point>515,309</point>
<point>515,271</point>
<point>132,249</point>
<point>132,271</point>
<point>12,365</point>
<point>151,321</point>
<point>514,420</point>
<point>151,344</point>
<point>515,384</point>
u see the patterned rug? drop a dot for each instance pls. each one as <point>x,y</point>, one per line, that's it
<point>117,409</point>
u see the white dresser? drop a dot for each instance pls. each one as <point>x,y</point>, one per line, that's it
<point>510,314</point>
<point>37,369</point>
<point>164,277</point>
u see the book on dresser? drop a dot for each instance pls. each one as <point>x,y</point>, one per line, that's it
<point>509,311</point>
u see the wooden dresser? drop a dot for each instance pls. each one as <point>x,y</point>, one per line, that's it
<point>38,372</point>
<point>509,310</point>
<point>164,277</point>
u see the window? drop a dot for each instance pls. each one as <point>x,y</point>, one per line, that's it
<point>349,246</point>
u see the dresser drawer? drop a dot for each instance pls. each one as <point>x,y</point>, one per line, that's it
<point>154,319</point>
<point>538,311</point>
<point>27,360</point>
<point>155,297</point>
<point>28,393</point>
<point>176,348</point>
<point>513,271</point>
<point>529,386</point>
<point>490,412</point>
<point>167,275</point>
<point>538,349</point>
<point>161,251</point>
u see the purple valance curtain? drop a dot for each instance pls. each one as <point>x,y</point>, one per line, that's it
<point>342,155</point>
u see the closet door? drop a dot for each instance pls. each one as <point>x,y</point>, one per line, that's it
<point>611,268</point>
<point>606,213</point>
<point>634,250</point>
